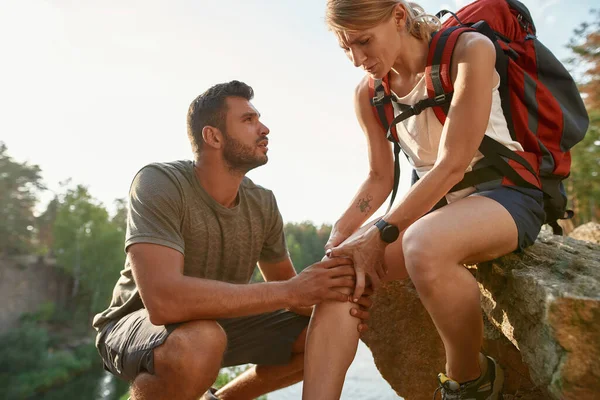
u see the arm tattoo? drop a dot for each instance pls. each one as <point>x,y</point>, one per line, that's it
<point>365,204</point>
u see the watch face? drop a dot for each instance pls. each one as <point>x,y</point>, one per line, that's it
<point>390,233</point>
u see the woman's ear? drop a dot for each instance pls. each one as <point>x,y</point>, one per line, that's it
<point>212,137</point>
<point>400,15</point>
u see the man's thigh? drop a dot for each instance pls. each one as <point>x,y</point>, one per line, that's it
<point>264,339</point>
<point>127,346</point>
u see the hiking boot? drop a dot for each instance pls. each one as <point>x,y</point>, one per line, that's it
<point>486,387</point>
<point>210,395</point>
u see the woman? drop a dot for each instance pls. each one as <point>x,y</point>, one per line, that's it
<point>392,36</point>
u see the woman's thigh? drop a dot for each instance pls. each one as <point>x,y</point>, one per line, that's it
<point>394,260</point>
<point>473,229</point>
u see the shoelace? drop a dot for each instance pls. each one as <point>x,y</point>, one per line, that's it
<point>455,394</point>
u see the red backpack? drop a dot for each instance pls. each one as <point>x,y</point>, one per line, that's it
<point>540,101</point>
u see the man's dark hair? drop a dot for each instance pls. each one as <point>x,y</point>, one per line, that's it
<point>210,108</point>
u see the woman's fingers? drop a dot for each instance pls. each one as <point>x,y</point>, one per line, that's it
<point>360,285</point>
<point>381,273</point>
<point>341,251</point>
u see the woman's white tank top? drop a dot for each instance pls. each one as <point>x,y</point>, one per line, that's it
<point>420,135</point>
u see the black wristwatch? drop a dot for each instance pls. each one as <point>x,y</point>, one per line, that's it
<point>388,232</point>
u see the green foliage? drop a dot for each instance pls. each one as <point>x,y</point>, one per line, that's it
<point>585,174</point>
<point>19,184</point>
<point>88,245</point>
<point>44,313</point>
<point>305,243</point>
<point>584,184</point>
<point>29,363</point>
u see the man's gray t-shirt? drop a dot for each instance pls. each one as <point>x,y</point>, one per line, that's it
<point>169,207</point>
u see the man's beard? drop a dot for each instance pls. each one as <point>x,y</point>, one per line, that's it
<point>240,157</point>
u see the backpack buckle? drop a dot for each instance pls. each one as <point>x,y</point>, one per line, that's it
<point>417,108</point>
<point>380,99</point>
<point>440,98</point>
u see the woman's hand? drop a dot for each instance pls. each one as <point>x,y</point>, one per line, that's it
<point>335,239</point>
<point>367,251</point>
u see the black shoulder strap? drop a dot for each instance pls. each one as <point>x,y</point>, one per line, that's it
<point>397,149</point>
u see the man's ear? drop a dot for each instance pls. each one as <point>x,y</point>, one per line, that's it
<point>212,137</point>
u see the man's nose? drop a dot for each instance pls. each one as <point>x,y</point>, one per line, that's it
<point>264,130</point>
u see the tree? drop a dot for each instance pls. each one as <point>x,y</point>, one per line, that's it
<point>306,242</point>
<point>584,185</point>
<point>19,185</point>
<point>586,48</point>
<point>88,245</point>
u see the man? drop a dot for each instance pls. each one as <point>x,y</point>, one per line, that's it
<point>182,307</point>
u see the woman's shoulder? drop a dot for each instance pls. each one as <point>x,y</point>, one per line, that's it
<point>474,49</point>
<point>472,45</point>
<point>362,88</point>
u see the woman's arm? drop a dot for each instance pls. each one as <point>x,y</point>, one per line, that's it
<point>473,76</point>
<point>375,189</point>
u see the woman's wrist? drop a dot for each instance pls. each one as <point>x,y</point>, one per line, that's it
<point>342,228</point>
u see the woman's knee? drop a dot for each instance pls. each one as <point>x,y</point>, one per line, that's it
<point>193,352</point>
<point>423,260</point>
<point>332,314</point>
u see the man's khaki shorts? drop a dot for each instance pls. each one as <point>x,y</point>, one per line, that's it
<point>127,345</point>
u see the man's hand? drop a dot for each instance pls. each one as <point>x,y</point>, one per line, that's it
<point>361,310</point>
<point>318,282</point>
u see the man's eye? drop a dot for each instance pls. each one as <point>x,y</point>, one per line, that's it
<point>363,42</point>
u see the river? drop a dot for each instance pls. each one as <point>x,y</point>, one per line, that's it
<point>363,381</point>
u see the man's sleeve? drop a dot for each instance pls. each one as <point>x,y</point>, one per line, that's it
<point>155,210</point>
<point>274,247</point>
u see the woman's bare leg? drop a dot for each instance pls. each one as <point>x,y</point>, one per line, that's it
<point>330,348</point>
<point>333,338</point>
<point>435,249</point>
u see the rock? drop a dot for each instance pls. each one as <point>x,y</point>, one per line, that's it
<point>589,232</point>
<point>406,347</point>
<point>543,307</point>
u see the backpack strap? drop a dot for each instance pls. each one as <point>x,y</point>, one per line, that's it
<point>381,102</point>
<point>437,72</point>
<point>439,83</point>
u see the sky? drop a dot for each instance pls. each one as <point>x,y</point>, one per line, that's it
<point>95,90</point>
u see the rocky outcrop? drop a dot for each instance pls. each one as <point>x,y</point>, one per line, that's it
<point>543,312</point>
<point>589,232</point>
<point>26,282</point>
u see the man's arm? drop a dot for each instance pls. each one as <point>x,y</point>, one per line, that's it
<point>170,297</point>
<point>282,271</point>
<point>277,271</point>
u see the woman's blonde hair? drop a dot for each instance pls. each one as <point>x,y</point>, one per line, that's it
<point>357,15</point>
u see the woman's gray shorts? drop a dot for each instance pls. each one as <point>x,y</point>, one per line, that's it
<point>127,345</point>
